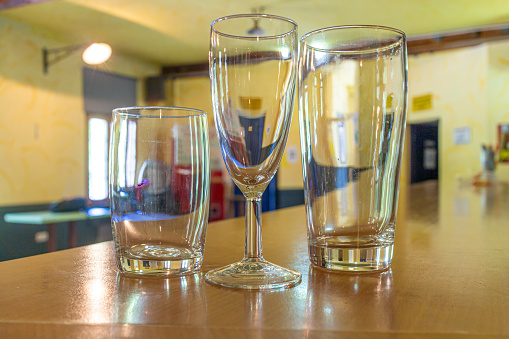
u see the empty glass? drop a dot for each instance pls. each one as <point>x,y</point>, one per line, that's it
<point>253,77</point>
<point>159,189</point>
<point>352,103</point>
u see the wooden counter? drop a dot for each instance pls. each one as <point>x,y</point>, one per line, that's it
<point>449,278</point>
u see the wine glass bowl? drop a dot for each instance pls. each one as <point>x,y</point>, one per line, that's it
<point>253,80</point>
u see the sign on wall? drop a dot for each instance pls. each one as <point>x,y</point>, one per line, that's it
<point>422,102</point>
<point>462,135</point>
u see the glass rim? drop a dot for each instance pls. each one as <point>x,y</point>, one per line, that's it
<point>247,37</point>
<point>130,111</point>
<point>397,32</point>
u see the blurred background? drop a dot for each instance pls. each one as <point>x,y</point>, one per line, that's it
<point>55,109</point>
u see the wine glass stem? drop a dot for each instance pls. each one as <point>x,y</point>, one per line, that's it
<point>253,228</point>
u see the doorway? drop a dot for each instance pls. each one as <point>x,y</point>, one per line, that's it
<point>424,151</point>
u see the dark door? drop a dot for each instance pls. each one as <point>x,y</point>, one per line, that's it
<point>424,151</point>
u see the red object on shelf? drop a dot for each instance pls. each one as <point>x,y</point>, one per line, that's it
<point>181,186</point>
<point>217,209</point>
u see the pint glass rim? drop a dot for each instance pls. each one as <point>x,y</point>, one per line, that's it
<point>162,112</point>
<point>304,40</point>
<point>293,30</point>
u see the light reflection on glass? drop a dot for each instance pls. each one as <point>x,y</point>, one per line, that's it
<point>285,53</point>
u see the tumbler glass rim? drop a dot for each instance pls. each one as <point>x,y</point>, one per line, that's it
<point>397,32</point>
<point>134,111</point>
<point>247,37</point>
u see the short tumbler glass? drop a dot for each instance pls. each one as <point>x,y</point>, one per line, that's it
<point>352,102</point>
<point>159,189</point>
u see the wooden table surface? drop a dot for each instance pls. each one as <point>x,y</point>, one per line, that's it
<point>449,278</point>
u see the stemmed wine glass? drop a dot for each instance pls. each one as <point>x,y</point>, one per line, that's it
<point>253,63</point>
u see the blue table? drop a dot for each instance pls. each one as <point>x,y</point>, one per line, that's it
<point>51,218</point>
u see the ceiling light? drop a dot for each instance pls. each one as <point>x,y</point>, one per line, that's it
<point>97,53</point>
<point>94,54</point>
<point>256,30</point>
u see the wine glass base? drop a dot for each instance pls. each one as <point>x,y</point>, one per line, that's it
<point>254,274</point>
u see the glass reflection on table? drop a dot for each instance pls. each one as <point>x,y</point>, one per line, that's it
<point>161,300</point>
<point>344,296</point>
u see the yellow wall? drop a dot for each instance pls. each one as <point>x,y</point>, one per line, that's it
<point>469,88</point>
<point>194,92</point>
<point>42,121</point>
<point>457,82</point>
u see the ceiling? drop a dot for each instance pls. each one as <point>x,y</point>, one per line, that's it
<point>176,32</point>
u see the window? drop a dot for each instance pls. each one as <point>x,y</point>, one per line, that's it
<point>102,92</point>
<point>98,136</point>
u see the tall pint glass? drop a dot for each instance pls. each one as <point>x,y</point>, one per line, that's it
<point>352,102</point>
